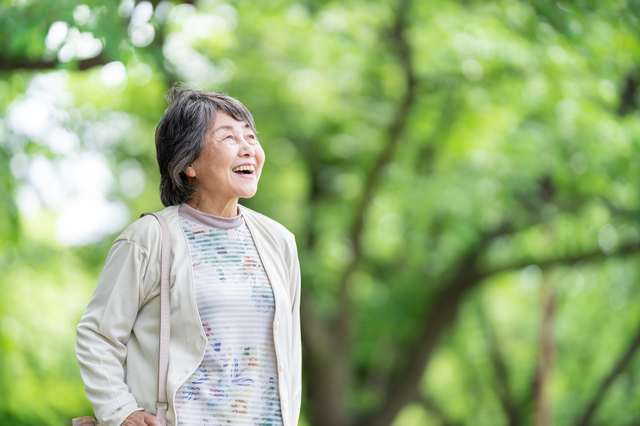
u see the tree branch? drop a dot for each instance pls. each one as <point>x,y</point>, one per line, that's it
<point>595,254</point>
<point>586,418</point>
<point>9,64</point>
<point>15,64</point>
<point>628,100</point>
<point>448,111</point>
<point>502,373</point>
<point>441,314</point>
<point>334,379</point>
<point>394,134</point>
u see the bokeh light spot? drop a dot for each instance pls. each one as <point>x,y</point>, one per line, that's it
<point>607,238</point>
<point>113,74</point>
<point>81,14</point>
<point>56,35</point>
<point>531,278</point>
<point>472,70</point>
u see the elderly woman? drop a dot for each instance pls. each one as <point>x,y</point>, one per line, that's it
<point>234,353</point>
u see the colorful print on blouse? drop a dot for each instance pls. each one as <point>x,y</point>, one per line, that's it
<point>236,383</point>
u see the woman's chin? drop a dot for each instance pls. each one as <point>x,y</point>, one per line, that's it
<point>249,194</point>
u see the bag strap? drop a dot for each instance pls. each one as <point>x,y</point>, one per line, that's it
<point>165,320</point>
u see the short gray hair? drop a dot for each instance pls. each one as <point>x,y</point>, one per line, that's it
<point>181,133</point>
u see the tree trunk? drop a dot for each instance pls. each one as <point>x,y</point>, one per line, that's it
<point>329,375</point>
<point>543,409</point>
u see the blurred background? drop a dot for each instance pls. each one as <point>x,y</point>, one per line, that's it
<point>461,176</point>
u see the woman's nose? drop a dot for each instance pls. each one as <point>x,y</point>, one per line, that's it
<point>247,149</point>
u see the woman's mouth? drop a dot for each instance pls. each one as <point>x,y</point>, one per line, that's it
<point>244,170</point>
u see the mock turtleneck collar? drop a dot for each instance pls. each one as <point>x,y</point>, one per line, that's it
<point>210,220</point>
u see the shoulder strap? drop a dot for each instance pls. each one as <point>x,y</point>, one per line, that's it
<point>165,320</point>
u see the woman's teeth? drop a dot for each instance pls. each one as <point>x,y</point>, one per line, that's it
<point>238,169</point>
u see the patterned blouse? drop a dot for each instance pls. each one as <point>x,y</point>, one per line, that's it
<point>236,383</point>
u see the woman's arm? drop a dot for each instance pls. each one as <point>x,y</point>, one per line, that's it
<point>105,329</point>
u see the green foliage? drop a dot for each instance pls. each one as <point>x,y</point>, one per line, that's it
<point>518,146</point>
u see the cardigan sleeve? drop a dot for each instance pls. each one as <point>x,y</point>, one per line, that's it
<point>104,330</point>
<point>296,350</point>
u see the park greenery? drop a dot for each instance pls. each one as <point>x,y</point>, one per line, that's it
<point>461,176</point>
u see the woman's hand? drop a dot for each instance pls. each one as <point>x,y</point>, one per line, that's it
<point>141,418</point>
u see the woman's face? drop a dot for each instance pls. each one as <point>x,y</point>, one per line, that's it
<point>230,162</point>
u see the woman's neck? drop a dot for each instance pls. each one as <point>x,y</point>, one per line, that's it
<point>214,207</point>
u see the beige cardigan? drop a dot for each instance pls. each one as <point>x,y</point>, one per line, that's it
<point>117,338</point>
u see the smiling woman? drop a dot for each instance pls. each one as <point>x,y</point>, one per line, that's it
<point>235,344</point>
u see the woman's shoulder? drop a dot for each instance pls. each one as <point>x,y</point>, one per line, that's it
<point>146,230</point>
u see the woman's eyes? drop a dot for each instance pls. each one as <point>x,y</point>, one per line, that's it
<point>250,138</point>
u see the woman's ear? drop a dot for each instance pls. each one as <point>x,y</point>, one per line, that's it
<point>190,171</point>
